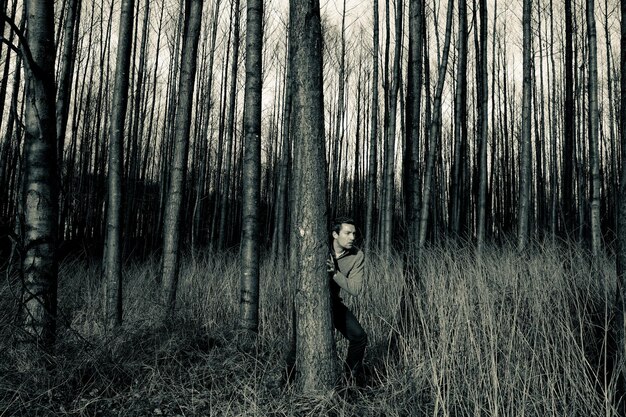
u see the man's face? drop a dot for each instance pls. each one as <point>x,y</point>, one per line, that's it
<point>345,237</point>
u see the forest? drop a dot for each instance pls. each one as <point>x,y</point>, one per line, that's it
<point>171,170</point>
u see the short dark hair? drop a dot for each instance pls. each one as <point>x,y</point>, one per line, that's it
<point>338,221</point>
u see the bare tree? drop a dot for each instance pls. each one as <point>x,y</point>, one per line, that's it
<point>458,195</point>
<point>413,114</point>
<point>594,158</point>
<point>40,188</point>
<point>249,287</point>
<point>620,258</point>
<point>569,128</point>
<point>171,222</point>
<point>113,252</point>
<point>525,156</point>
<point>435,128</point>
<point>315,346</point>
<point>371,172</point>
<point>483,101</point>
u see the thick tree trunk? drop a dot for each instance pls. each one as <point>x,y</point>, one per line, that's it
<point>113,252</point>
<point>40,192</point>
<point>172,216</point>
<point>317,361</point>
<point>249,288</point>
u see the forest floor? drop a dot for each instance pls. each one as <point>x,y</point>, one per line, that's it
<point>493,335</point>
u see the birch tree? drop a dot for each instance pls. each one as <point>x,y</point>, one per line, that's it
<point>40,187</point>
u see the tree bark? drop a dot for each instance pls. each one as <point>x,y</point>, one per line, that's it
<point>315,346</point>
<point>594,158</point>
<point>230,137</point>
<point>483,103</point>
<point>372,158</point>
<point>459,163</point>
<point>620,258</point>
<point>525,156</point>
<point>435,129</point>
<point>569,128</point>
<point>249,287</point>
<point>40,188</point>
<point>413,115</point>
<point>113,252</point>
<point>172,216</point>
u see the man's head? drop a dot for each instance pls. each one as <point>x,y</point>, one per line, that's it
<point>343,231</point>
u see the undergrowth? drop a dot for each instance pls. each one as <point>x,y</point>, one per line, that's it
<point>499,334</point>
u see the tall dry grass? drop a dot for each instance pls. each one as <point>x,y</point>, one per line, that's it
<point>499,335</point>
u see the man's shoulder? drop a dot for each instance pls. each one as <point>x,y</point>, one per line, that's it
<point>354,251</point>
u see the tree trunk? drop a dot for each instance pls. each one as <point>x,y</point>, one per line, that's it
<point>230,137</point>
<point>459,163</point>
<point>593,121</point>
<point>620,308</point>
<point>435,129</point>
<point>172,216</point>
<point>317,362</point>
<point>413,115</point>
<point>371,171</point>
<point>40,192</point>
<point>569,128</point>
<point>113,252</point>
<point>249,290</point>
<point>525,155</point>
<point>390,142</point>
<point>483,103</point>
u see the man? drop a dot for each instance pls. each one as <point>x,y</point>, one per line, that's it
<point>345,270</point>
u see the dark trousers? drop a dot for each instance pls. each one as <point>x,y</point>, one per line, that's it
<point>351,329</point>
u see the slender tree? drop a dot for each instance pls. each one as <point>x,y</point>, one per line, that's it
<point>249,287</point>
<point>413,114</point>
<point>460,160</point>
<point>40,188</point>
<point>231,134</point>
<point>172,216</point>
<point>483,101</point>
<point>525,156</point>
<point>569,128</point>
<point>435,128</point>
<point>593,121</point>
<point>315,347</point>
<point>620,258</point>
<point>113,252</point>
<point>371,172</point>
<point>70,34</point>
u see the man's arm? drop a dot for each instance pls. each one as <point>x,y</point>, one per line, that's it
<point>354,281</point>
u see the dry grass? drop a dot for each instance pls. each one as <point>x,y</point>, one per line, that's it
<point>497,336</point>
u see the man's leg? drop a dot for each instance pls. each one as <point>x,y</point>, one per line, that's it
<point>349,326</point>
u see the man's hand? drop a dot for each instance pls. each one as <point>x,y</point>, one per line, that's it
<point>330,264</point>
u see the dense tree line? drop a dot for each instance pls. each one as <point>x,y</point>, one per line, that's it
<point>139,127</point>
